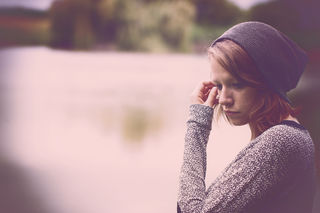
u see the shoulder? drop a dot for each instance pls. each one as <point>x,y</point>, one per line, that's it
<point>286,133</point>
<point>288,140</point>
<point>279,141</point>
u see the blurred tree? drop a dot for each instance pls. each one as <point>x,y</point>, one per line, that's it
<point>105,19</point>
<point>218,12</point>
<point>276,13</point>
<point>308,12</point>
<point>299,19</point>
<point>84,36</point>
<point>22,12</point>
<point>23,26</point>
<point>62,24</point>
<point>71,24</point>
<point>158,25</point>
<point>132,25</point>
<point>174,20</point>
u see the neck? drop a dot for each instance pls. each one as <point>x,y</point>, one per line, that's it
<point>254,130</point>
<point>291,118</point>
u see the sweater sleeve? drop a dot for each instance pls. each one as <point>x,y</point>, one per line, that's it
<point>192,177</point>
<point>257,170</point>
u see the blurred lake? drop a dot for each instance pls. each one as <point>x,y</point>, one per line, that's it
<point>97,132</point>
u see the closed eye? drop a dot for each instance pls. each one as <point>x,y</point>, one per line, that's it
<point>238,85</point>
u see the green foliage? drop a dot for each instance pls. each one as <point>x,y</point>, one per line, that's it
<point>203,35</point>
<point>154,25</point>
<point>157,26</point>
<point>132,25</point>
<point>218,12</point>
<point>142,25</point>
<point>174,21</point>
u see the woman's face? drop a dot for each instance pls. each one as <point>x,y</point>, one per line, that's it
<point>235,98</point>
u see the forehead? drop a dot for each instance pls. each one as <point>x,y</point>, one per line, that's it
<point>218,73</point>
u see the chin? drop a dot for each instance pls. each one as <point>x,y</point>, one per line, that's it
<point>237,122</point>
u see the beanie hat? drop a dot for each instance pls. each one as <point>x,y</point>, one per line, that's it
<point>277,57</point>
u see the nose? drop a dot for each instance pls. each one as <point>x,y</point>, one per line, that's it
<point>225,97</point>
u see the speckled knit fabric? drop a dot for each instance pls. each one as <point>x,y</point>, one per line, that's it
<point>273,174</point>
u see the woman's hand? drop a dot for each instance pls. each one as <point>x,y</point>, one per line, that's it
<point>205,93</point>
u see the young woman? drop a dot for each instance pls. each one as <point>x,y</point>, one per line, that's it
<point>253,66</point>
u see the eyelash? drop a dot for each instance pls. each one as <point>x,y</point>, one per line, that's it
<point>238,85</point>
<point>234,85</point>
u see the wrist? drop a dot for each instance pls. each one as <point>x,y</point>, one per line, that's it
<point>201,114</point>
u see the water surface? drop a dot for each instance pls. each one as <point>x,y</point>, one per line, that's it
<point>103,132</point>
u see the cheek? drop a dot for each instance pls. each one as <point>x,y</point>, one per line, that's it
<point>250,99</point>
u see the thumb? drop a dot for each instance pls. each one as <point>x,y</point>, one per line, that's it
<point>211,101</point>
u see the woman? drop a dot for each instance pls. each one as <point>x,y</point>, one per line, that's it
<point>252,67</point>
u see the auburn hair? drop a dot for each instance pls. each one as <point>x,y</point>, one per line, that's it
<point>270,109</point>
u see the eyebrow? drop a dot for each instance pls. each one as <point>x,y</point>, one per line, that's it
<point>229,81</point>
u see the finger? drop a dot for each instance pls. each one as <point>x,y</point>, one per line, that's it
<point>202,88</point>
<point>206,83</point>
<point>205,86</point>
<point>211,100</point>
<point>201,92</point>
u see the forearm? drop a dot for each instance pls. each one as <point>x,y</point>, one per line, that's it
<point>192,177</point>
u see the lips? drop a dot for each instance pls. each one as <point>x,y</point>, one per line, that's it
<point>231,113</point>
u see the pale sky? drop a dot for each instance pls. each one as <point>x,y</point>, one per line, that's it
<point>245,4</point>
<point>38,4</point>
<point>45,4</point>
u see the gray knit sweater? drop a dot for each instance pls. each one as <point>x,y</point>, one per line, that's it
<point>274,173</point>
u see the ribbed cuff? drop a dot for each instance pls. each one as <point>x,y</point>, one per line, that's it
<point>201,114</point>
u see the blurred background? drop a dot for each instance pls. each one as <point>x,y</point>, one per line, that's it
<point>94,97</point>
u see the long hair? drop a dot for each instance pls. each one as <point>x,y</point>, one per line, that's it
<point>270,109</point>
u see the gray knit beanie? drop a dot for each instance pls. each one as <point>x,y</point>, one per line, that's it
<point>277,57</point>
